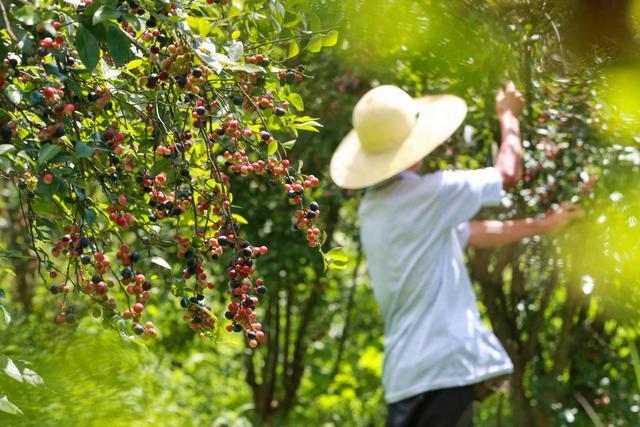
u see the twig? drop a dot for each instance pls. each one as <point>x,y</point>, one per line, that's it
<point>589,410</point>
<point>7,24</point>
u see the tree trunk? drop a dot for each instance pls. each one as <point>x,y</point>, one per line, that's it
<point>521,411</point>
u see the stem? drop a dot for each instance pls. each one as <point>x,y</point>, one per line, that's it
<point>7,24</point>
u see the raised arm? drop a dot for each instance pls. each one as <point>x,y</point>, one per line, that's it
<point>487,234</point>
<point>509,105</point>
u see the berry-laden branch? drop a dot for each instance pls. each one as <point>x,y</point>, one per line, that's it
<point>134,129</point>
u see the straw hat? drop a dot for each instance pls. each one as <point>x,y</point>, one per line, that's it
<point>392,131</point>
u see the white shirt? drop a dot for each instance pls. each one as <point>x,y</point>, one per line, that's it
<point>413,232</point>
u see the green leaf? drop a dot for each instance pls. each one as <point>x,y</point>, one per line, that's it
<point>10,368</point>
<point>330,39</point>
<point>315,44</point>
<point>119,45</point>
<point>91,216</point>
<point>240,218</point>
<point>247,68</point>
<point>31,377</point>
<point>336,259</point>
<point>14,94</point>
<point>48,190</point>
<point>296,101</point>
<point>6,148</point>
<point>236,50</point>
<point>108,72</point>
<point>161,262</point>
<point>294,49</point>
<point>159,166</point>
<point>48,152</point>
<point>314,23</point>
<point>5,314</point>
<point>273,147</point>
<point>8,407</point>
<point>289,144</point>
<point>44,222</point>
<point>104,13</point>
<point>88,48</point>
<point>134,64</point>
<point>27,15</point>
<point>198,25</point>
<point>207,52</point>
<point>310,126</point>
<point>83,150</point>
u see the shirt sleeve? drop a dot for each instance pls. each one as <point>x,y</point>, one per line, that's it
<point>463,192</point>
<point>463,231</point>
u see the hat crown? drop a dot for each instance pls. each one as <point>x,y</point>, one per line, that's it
<point>384,118</point>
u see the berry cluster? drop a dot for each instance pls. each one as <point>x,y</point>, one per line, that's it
<point>304,222</point>
<point>119,215</point>
<point>72,244</point>
<point>291,76</point>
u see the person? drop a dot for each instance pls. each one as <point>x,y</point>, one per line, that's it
<point>413,231</point>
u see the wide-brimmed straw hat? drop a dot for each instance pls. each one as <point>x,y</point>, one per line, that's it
<point>391,132</point>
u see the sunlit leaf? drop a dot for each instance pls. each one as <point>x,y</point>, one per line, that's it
<point>336,259</point>
<point>109,72</point>
<point>10,368</point>
<point>13,94</point>
<point>161,262</point>
<point>272,148</point>
<point>330,39</point>
<point>240,218</point>
<point>6,406</point>
<point>310,126</point>
<point>27,15</point>
<point>134,64</point>
<point>6,148</point>
<point>296,101</point>
<point>236,50</point>
<point>5,314</point>
<point>294,49</point>
<point>315,44</point>
<point>31,377</point>
<point>247,68</point>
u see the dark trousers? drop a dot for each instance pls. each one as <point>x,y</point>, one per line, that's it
<point>449,407</point>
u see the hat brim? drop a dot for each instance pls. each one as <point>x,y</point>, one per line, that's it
<point>440,116</point>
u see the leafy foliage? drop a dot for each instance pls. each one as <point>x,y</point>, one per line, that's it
<point>130,122</point>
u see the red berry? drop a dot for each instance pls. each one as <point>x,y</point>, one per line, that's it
<point>48,92</point>
<point>46,42</point>
<point>47,178</point>
<point>138,308</point>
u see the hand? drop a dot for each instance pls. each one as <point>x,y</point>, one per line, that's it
<point>509,100</point>
<point>562,217</point>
